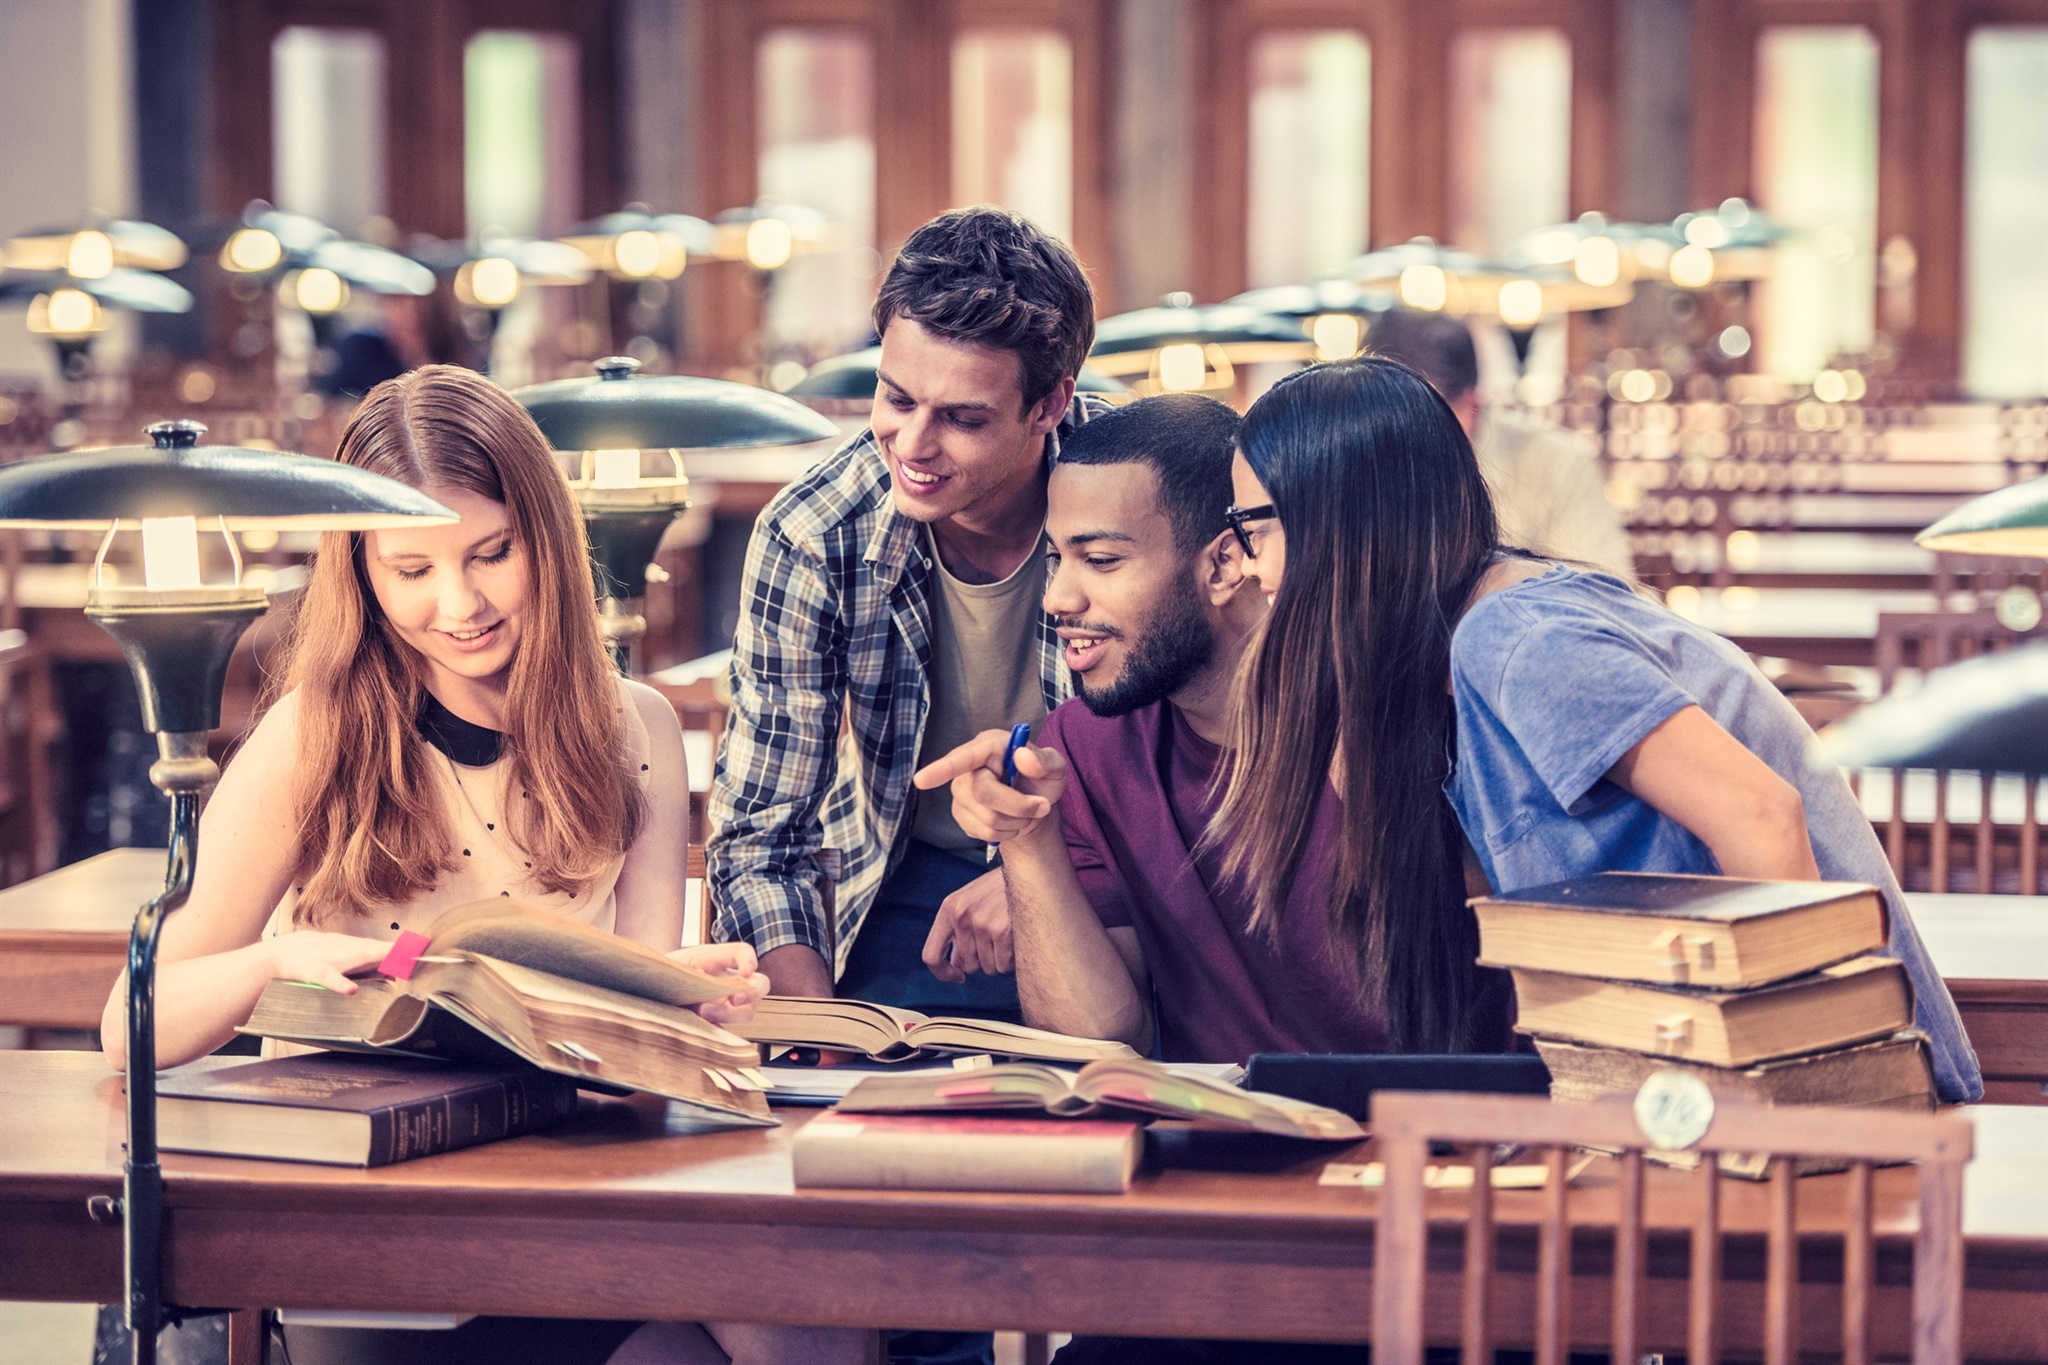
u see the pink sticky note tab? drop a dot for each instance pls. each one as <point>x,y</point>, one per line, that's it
<point>404,955</point>
<point>956,1090</point>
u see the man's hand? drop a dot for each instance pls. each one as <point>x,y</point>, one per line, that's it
<point>982,805</point>
<point>972,931</point>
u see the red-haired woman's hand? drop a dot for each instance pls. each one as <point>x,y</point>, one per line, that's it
<point>322,959</point>
<point>735,961</point>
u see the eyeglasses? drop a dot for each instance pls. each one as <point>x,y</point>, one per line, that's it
<point>1238,516</point>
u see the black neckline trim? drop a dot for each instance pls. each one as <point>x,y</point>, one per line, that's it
<point>471,745</point>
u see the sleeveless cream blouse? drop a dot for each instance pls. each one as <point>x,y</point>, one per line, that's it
<point>488,862</point>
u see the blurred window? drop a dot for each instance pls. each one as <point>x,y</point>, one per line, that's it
<point>521,127</point>
<point>816,124</point>
<point>1311,104</point>
<point>1816,174</point>
<point>1013,123</point>
<point>1511,135</point>
<point>2005,206</point>
<point>327,124</point>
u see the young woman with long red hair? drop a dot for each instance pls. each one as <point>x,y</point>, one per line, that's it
<point>448,729</point>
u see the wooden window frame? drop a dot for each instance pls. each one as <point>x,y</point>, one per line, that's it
<point>424,41</point>
<point>913,44</point>
<point>1410,134</point>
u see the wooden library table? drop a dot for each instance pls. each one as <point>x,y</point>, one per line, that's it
<point>622,1215</point>
<point>1993,953</point>
<point>64,937</point>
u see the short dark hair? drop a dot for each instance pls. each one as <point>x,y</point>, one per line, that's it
<point>1436,346</point>
<point>991,276</point>
<point>1187,440</point>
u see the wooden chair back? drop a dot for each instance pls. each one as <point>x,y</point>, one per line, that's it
<point>1930,848</point>
<point>1405,1124</point>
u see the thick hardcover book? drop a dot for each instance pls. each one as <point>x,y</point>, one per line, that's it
<point>352,1111</point>
<point>1849,1002</point>
<point>886,1032</point>
<point>501,980</point>
<point>1131,1085</point>
<point>930,1152</point>
<point>1680,930</point>
<point>1892,1073</point>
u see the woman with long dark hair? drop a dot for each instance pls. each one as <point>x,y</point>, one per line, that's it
<point>1462,695</point>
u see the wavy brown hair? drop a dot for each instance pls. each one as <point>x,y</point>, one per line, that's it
<point>1389,529</point>
<point>371,820</point>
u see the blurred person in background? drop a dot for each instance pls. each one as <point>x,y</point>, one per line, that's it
<point>1547,485</point>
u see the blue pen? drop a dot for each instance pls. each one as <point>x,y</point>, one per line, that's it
<point>1020,735</point>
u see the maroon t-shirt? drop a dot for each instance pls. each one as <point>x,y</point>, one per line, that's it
<point>1136,803</point>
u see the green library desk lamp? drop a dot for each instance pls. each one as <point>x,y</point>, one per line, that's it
<point>621,438</point>
<point>176,632</point>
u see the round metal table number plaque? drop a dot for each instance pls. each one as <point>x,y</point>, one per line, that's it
<point>1674,1109</point>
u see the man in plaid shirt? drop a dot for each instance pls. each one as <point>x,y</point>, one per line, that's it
<point>896,589</point>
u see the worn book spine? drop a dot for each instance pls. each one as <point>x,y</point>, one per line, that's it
<point>920,1152</point>
<point>522,1102</point>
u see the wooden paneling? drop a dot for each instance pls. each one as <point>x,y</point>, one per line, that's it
<point>423,45</point>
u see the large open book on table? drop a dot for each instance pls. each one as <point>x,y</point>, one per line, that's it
<point>1122,1084</point>
<point>500,977</point>
<point>887,1033</point>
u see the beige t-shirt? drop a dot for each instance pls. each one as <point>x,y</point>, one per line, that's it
<point>488,862</point>
<point>984,676</point>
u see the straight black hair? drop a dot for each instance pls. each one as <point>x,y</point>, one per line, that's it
<point>1389,529</point>
<point>1187,441</point>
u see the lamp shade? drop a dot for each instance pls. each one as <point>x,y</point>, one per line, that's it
<point>1126,343</point>
<point>118,242</point>
<point>2008,521</point>
<point>1988,714</point>
<point>138,291</point>
<point>618,410</point>
<point>851,377</point>
<point>1313,300</point>
<point>249,490</point>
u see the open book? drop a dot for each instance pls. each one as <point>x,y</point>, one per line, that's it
<point>499,976</point>
<point>1130,1083</point>
<point>885,1032</point>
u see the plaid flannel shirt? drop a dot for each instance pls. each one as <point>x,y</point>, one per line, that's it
<point>835,623</point>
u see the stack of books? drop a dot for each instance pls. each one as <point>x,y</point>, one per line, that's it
<point>1770,992</point>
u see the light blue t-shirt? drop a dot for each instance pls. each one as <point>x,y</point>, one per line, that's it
<point>1556,677</point>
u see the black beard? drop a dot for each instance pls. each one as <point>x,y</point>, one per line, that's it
<point>1176,644</point>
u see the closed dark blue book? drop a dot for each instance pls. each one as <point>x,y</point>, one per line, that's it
<point>349,1110</point>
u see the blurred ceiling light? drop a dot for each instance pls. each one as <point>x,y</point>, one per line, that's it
<point>251,251</point>
<point>317,290</point>
<point>1337,335</point>
<point>91,256</point>
<point>1597,261</point>
<point>1181,367</point>
<point>1692,267</point>
<point>769,243</point>
<point>1521,303</point>
<point>1706,230</point>
<point>641,254</point>
<point>491,283</point>
<point>65,313</point>
<point>1425,287</point>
